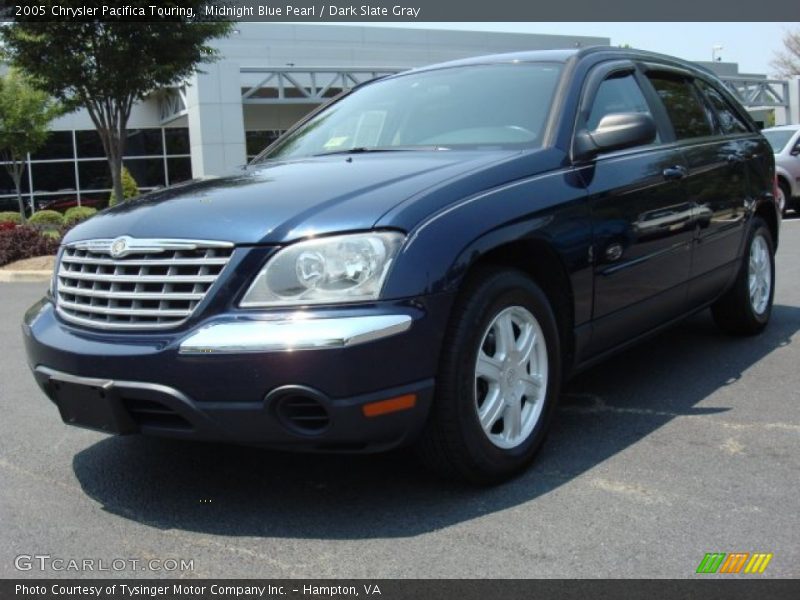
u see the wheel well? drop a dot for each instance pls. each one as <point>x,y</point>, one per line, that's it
<point>782,179</point>
<point>547,270</point>
<point>767,212</point>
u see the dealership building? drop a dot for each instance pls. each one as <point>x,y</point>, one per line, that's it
<point>269,75</point>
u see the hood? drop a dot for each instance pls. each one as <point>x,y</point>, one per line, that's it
<point>282,201</point>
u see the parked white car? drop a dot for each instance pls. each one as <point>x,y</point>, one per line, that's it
<point>785,142</point>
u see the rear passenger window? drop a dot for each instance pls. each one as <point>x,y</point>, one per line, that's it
<point>729,121</point>
<point>683,105</point>
<point>618,94</point>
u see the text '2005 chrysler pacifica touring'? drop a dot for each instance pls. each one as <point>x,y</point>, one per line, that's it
<point>422,261</point>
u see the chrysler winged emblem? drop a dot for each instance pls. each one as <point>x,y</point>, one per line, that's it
<point>119,246</point>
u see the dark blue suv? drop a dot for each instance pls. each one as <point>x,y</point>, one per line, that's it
<point>424,260</point>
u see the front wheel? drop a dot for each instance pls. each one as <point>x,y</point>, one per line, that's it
<point>745,309</point>
<point>498,380</point>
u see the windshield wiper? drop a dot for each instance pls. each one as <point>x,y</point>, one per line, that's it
<point>365,149</point>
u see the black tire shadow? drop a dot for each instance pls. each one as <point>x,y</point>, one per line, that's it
<point>240,491</point>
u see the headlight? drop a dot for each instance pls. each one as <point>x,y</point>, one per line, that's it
<point>344,268</point>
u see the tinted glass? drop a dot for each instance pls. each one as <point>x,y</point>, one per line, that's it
<point>729,121</point>
<point>7,184</point>
<point>258,140</point>
<point>778,138</point>
<point>143,142</point>
<point>89,144</point>
<point>148,172</point>
<point>501,105</point>
<point>683,105</point>
<point>617,94</point>
<point>180,169</point>
<point>94,175</point>
<point>58,145</point>
<point>177,139</point>
<point>60,202</point>
<point>98,201</point>
<point>53,177</point>
<point>12,204</point>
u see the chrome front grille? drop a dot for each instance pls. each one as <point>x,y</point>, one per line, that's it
<point>130,283</point>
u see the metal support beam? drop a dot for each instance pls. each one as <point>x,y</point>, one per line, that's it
<point>305,85</point>
<point>754,92</point>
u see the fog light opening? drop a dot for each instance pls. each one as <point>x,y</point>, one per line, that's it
<point>303,414</point>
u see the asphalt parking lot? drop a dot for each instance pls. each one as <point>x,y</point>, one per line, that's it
<point>685,445</point>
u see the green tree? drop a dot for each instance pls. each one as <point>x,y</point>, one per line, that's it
<point>105,67</point>
<point>787,61</point>
<point>25,114</point>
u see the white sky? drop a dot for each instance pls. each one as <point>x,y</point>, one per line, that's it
<point>752,45</point>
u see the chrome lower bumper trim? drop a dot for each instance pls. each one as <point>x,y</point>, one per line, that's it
<point>292,334</point>
<point>108,384</point>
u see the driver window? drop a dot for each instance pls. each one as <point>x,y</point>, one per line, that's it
<point>618,94</point>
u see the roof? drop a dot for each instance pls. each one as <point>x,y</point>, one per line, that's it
<point>567,53</point>
<point>530,56</point>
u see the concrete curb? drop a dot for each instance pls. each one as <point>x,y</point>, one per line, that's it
<point>24,276</point>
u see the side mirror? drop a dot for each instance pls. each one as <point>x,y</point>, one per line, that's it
<point>795,151</point>
<point>616,132</point>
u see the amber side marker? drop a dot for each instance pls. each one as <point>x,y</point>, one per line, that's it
<point>382,407</point>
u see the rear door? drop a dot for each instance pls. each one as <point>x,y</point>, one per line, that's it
<point>717,178</point>
<point>641,218</point>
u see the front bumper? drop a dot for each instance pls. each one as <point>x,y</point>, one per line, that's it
<point>273,380</point>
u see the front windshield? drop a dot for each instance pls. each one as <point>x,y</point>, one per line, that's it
<point>481,106</point>
<point>778,138</point>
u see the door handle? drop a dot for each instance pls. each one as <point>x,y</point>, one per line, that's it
<point>674,173</point>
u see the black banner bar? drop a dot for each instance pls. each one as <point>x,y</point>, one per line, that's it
<point>416,589</point>
<point>332,11</point>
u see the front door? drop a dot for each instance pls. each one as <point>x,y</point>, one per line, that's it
<point>643,225</point>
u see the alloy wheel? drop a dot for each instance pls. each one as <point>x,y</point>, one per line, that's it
<point>759,275</point>
<point>511,377</point>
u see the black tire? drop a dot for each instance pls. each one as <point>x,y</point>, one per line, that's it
<point>788,204</point>
<point>734,312</point>
<point>453,442</point>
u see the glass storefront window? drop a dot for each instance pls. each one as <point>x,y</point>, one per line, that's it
<point>7,184</point>
<point>94,175</point>
<point>148,172</point>
<point>10,203</point>
<point>52,168</point>
<point>89,144</point>
<point>54,176</point>
<point>143,142</point>
<point>55,201</point>
<point>256,141</point>
<point>58,145</point>
<point>98,201</point>
<point>177,139</point>
<point>179,169</point>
